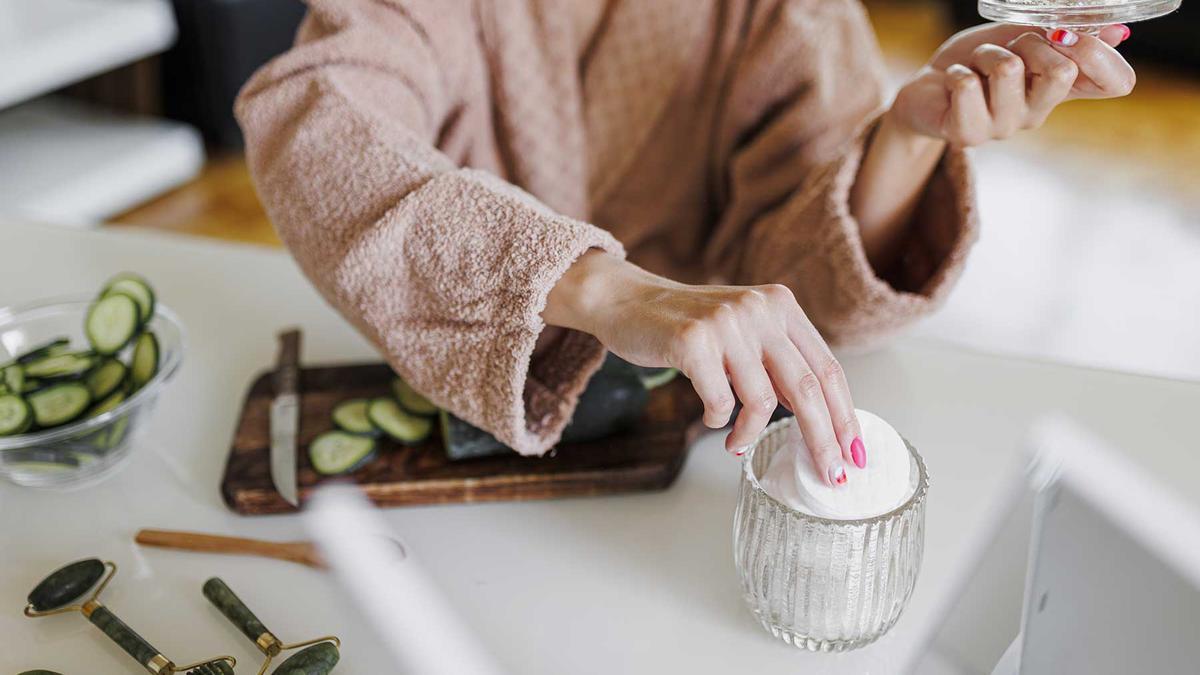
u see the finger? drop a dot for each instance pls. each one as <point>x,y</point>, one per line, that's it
<point>708,379</point>
<point>806,397</point>
<point>1104,72</point>
<point>1049,74</point>
<point>834,387</point>
<point>968,121</point>
<point>1115,34</point>
<point>757,394</point>
<point>1004,73</point>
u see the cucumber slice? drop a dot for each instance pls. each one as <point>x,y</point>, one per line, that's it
<point>111,323</point>
<point>117,433</point>
<point>61,366</point>
<point>653,378</point>
<point>51,348</point>
<point>115,399</point>
<point>106,378</point>
<point>41,459</point>
<point>409,429</point>
<point>412,401</point>
<point>60,403</point>
<point>335,452</point>
<point>134,286</point>
<point>15,415</point>
<point>14,379</point>
<point>352,416</point>
<point>144,364</point>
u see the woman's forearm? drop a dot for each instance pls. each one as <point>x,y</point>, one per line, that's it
<point>891,179</point>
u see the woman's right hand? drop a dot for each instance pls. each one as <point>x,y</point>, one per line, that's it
<point>752,342</point>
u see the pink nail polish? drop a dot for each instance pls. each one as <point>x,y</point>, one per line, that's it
<point>837,474</point>
<point>1064,37</point>
<point>1125,31</point>
<point>858,452</point>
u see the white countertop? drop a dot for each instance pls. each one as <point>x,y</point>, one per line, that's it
<point>641,583</point>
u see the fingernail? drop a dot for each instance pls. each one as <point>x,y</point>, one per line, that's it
<point>741,451</point>
<point>1063,37</point>
<point>858,452</point>
<point>1125,31</point>
<point>837,474</point>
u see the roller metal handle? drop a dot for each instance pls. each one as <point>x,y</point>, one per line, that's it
<point>223,597</point>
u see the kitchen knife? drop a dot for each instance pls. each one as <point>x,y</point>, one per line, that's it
<point>285,416</point>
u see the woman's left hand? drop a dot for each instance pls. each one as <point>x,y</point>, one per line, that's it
<point>989,82</point>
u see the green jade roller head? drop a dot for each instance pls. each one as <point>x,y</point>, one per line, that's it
<point>56,593</point>
<point>318,657</point>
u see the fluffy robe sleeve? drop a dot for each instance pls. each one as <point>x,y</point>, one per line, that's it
<point>802,107</point>
<point>445,269</point>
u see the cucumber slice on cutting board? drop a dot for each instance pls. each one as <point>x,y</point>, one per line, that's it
<point>336,452</point>
<point>134,286</point>
<point>15,415</point>
<point>106,378</point>
<point>111,323</point>
<point>411,400</point>
<point>351,416</point>
<point>409,429</point>
<point>144,364</point>
<point>59,403</point>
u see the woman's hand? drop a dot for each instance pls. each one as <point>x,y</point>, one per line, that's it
<point>989,82</point>
<point>750,341</point>
<point>984,83</point>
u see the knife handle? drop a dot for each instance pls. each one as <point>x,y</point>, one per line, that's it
<point>287,368</point>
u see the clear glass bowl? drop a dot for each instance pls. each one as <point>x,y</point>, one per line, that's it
<point>83,452</point>
<point>824,585</point>
<point>1082,15</point>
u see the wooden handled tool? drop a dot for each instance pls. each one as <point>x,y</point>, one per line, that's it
<point>302,552</point>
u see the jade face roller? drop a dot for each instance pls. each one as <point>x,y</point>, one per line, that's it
<point>56,592</point>
<point>318,657</point>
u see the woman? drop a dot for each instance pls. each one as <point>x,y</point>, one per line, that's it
<point>495,191</point>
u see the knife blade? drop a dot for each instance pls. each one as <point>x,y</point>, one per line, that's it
<point>285,416</point>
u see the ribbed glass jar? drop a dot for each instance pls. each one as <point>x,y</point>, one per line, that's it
<point>824,585</point>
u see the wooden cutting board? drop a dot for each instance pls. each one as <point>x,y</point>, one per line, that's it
<point>648,456</point>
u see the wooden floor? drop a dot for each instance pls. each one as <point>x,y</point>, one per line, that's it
<point>1150,138</point>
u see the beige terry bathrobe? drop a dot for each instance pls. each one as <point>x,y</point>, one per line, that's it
<point>435,166</point>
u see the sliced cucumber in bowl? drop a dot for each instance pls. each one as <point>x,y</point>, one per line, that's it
<point>59,404</point>
<point>144,364</point>
<point>59,366</point>
<point>106,378</point>
<point>111,323</point>
<point>136,288</point>
<point>15,415</point>
<point>338,452</point>
<point>51,348</point>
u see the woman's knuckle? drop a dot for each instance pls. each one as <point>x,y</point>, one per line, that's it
<point>809,387</point>
<point>779,293</point>
<point>1064,72</point>
<point>832,371</point>
<point>764,401</point>
<point>1009,65</point>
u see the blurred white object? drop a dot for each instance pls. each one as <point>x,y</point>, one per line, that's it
<point>46,44</point>
<point>410,615</point>
<point>1112,578</point>
<point>66,162</point>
